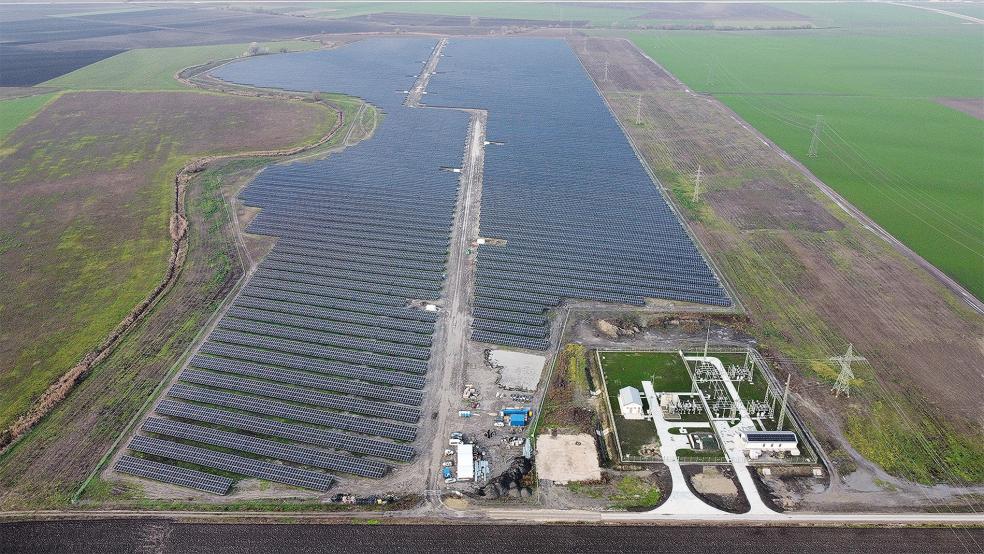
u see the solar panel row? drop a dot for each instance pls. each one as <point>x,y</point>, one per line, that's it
<point>294,412</point>
<point>351,371</point>
<point>333,315</point>
<point>301,395</point>
<point>350,328</point>
<point>290,431</point>
<point>232,463</point>
<point>263,447</point>
<point>281,375</point>
<point>293,377</point>
<point>174,475</point>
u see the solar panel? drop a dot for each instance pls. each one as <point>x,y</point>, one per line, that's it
<point>284,410</point>
<point>174,475</point>
<point>338,328</point>
<point>290,431</point>
<point>301,395</point>
<point>329,316</point>
<point>770,436</point>
<point>293,377</point>
<point>232,463</point>
<point>509,340</point>
<point>270,449</point>
<point>324,338</point>
<point>509,328</point>
<point>336,304</point>
<point>317,351</point>
<point>310,364</point>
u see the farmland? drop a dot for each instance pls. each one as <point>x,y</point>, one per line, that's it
<point>85,209</point>
<point>154,68</point>
<point>887,145</point>
<point>598,16</point>
<point>322,325</point>
<point>494,14</point>
<point>46,468</point>
<point>14,111</point>
<point>813,280</point>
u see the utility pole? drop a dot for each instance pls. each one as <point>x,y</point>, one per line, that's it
<point>782,411</point>
<point>843,383</point>
<point>639,110</point>
<point>815,138</point>
<point>697,185</point>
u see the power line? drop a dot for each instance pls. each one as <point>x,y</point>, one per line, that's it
<point>815,138</point>
<point>697,177</point>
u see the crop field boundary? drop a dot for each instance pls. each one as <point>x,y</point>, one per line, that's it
<point>841,202</point>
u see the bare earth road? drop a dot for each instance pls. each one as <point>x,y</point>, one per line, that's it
<point>149,535</point>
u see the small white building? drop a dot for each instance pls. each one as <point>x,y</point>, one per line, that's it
<point>466,462</point>
<point>630,403</point>
<point>755,443</point>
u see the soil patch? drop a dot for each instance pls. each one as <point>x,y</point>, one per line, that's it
<point>711,484</point>
<point>733,13</point>
<point>517,370</point>
<point>768,205</point>
<point>567,458</point>
<point>973,107</point>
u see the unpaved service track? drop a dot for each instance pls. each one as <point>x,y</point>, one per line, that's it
<point>166,536</point>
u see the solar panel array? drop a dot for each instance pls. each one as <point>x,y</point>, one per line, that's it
<point>175,475</point>
<point>319,364</point>
<point>581,217</point>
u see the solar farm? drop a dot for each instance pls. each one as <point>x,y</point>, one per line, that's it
<point>563,189</point>
<point>319,369</point>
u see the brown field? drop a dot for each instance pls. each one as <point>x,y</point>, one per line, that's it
<point>974,107</point>
<point>88,193</point>
<point>730,12</point>
<point>813,280</point>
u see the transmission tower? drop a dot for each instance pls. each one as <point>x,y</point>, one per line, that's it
<point>782,410</point>
<point>843,383</point>
<point>639,110</point>
<point>815,138</point>
<point>697,177</point>
<point>606,71</point>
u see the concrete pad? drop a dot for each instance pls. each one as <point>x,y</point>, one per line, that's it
<point>567,458</point>
<point>517,370</point>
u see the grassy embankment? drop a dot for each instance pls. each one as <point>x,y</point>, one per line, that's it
<point>910,163</point>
